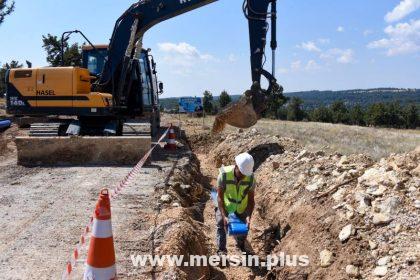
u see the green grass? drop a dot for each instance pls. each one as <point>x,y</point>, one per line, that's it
<point>344,139</point>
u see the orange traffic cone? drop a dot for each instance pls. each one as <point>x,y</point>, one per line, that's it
<point>171,145</point>
<point>100,264</point>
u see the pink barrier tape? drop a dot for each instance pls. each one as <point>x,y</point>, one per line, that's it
<point>72,261</point>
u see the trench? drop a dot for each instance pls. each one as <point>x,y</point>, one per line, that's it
<point>206,215</point>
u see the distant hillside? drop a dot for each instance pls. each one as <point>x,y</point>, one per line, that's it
<point>315,98</point>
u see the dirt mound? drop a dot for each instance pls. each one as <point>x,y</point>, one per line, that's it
<point>178,229</point>
<point>342,212</point>
<point>260,146</point>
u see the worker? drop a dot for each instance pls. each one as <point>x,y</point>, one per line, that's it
<point>235,194</point>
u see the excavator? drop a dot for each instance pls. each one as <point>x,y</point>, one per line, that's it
<point>105,105</point>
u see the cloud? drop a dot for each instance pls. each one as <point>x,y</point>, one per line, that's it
<point>309,46</point>
<point>340,29</point>
<point>296,65</point>
<point>312,65</point>
<point>183,49</point>
<point>402,10</point>
<point>183,58</point>
<point>324,41</point>
<point>367,32</point>
<point>343,56</point>
<point>402,38</point>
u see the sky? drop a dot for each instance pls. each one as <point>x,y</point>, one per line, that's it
<point>323,44</point>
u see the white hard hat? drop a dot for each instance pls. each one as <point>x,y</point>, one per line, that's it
<point>245,163</point>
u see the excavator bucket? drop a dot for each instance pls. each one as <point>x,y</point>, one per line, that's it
<point>242,114</point>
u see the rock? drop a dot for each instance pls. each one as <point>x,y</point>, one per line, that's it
<point>379,176</point>
<point>417,203</point>
<point>343,160</point>
<point>317,183</point>
<point>302,154</point>
<point>383,261</point>
<point>345,233</point>
<point>373,245</point>
<point>343,177</point>
<point>352,271</point>
<point>186,188</point>
<point>381,219</point>
<point>364,202</point>
<point>240,130</point>
<point>416,171</point>
<point>326,258</point>
<point>339,194</point>
<point>166,198</point>
<point>336,173</point>
<point>376,190</point>
<point>276,165</point>
<point>390,205</point>
<point>176,204</point>
<point>397,228</point>
<point>254,131</point>
<point>380,271</point>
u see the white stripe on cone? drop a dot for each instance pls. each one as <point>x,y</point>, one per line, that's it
<point>93,273</point>
<point>102,228</point>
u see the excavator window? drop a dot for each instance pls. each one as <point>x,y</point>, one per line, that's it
<point>94,60</point>
<point>146,82</point>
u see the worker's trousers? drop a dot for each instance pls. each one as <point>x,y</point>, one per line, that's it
<point>221,233</point>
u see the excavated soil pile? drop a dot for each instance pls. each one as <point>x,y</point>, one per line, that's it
<point>353,217</point>
<point>178,229</point>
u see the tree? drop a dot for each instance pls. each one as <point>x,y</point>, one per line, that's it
<point>357,115</point>
<point>5,9</point>
<point>3,69</point>
<point>294,110</point>
<point>224,99</point>
<point>411,116</point>
<point>207,102</point>
<point>340,113</point>
<point>275,102</point>
<point>321,114</point>
<point>395,115</point>
<point>376,115</point>
<point>72,54</point>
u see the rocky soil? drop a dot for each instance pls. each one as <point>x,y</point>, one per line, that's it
<point>353,217</point>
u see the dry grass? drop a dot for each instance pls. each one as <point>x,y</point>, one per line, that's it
<point>344,139</point>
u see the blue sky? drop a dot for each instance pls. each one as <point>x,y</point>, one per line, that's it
<point>323,44</point>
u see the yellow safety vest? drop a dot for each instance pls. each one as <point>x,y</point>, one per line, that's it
<point>236,196</point>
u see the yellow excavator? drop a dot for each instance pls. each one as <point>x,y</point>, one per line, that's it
<point>109,108</point>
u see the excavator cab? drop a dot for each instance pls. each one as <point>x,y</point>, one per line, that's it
<point>94,58</point>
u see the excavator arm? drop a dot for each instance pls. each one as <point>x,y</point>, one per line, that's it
<point>127,41</point>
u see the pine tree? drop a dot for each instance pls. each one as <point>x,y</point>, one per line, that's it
<point>208,102</point>
<point>72,54</point>
<point>5,9</point>
<point>224,99</point>
<point>294,110</point>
